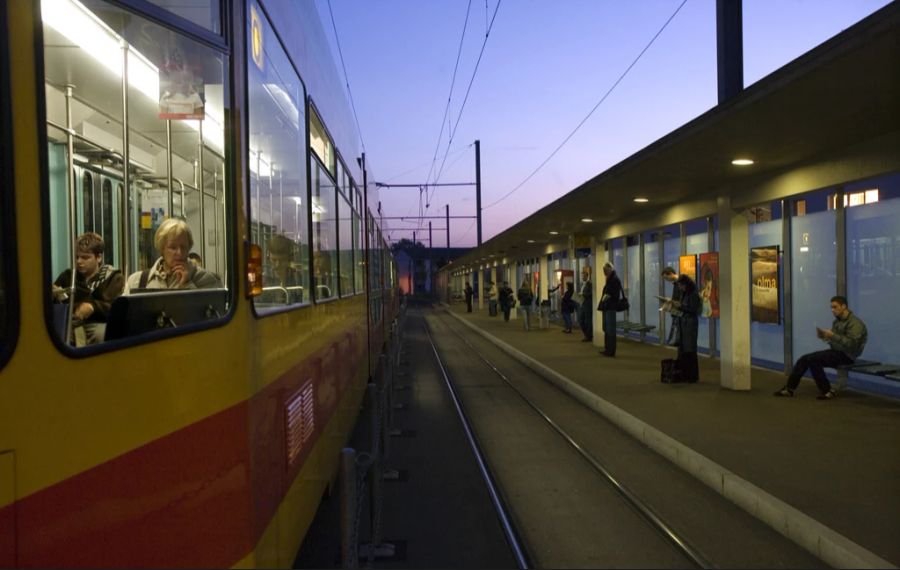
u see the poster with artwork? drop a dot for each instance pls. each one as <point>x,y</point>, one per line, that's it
<point>687,265</point>
<point>764,277</point>
<point>709,284</point>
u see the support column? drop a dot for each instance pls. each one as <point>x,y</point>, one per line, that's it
<point>494,280</point>
<point>734,297</point>
<point>544,268</point>
<point>480,289</point>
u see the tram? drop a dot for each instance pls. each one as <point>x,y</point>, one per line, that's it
<point>204,426</point>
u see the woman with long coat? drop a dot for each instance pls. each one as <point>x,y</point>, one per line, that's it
<point>687,326</point>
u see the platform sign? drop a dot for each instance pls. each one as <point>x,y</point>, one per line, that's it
<point>709,284</point>
<point>687,265</point>
<point>764,306</point>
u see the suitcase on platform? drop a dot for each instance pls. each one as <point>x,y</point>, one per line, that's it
<point>670,373</point>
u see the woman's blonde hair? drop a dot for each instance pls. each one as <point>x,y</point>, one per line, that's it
<point>170,229</point>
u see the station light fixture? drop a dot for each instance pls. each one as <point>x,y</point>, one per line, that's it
<point>742,161</point>
<point>530,241</point>
<point>641,200</point>
<point>552,233</point>
<point>587,220</point>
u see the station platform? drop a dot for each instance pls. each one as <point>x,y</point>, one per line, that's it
<point>824,473</point>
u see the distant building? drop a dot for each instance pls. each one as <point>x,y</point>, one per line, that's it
<point>416,265</point>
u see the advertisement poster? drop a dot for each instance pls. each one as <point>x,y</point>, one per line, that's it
<point>764,276</point>
<point>709,284</point>
<point>180,93</point>
<point>687,265</point>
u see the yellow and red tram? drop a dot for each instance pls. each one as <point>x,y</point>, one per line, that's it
<point>205,431</point>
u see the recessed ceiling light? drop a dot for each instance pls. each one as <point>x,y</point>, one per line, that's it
<point>530,241</point>
<point>586,220</point>
<point>554,233</point>
<point>742,162</point>
<point>642,200</point>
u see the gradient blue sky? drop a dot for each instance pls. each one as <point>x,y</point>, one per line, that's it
<point>546,65</point>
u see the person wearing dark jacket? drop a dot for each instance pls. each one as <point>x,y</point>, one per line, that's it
<point>686,325</point>
<point>468,292</point>
<point>585,312</point>
<point>846,340</point>
<point>507,297</point>
<point>609,298</point>
<point>97,285</point>
<point>669,274</point>
<point>567,307</point>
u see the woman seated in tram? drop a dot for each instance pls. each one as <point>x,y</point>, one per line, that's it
<point>173,269</point>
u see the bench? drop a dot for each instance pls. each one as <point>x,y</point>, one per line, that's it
<point>628,326</point>
<point>871,367</point>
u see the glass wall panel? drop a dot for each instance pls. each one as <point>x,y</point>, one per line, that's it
<point>873,267</point>
<point>324,227</point>
<point>617,258</point>
<point>814,271</point>
<point>671,252</point>
<point>766,339</point>
<point>170,107</point>
<point>652,271</point>
<point>632,281</point>
<point>279,214</point>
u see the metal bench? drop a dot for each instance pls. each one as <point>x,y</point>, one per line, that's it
<point>628,326</point>
<point>871,367</point>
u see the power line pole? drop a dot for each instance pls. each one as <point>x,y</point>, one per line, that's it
<point>430,262</point>
<point>478,187</point>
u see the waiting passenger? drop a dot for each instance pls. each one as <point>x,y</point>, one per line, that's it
<point>492,299</point>
<point>526,299</point>
<point>686,326</point>
<point>507,300</point>
<point>172,270</point>
<point>846,339</point>
<point>609,299</point>
<point>567,307</point>
<point>468,292</point>
<point>96,286</point>
<point>669,274</point>
<point>586,309</point>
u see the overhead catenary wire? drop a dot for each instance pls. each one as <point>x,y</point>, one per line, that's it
<point>591,112</point>
<point>337,40</point>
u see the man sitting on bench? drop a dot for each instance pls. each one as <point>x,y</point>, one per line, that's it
<point>846,339</point>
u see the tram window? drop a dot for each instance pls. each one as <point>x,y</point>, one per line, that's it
<point>206,13</point>
<point>279,212</point>
<point>321,143</point>
<point>345,234</point>
<point>324,226</point>
<point>170,109</point>
<point>358,254</point>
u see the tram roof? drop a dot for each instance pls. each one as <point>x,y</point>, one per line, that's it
<point>844,92</point>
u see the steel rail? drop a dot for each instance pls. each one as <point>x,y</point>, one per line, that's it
<point>512,535</point>
<point>640,506</point>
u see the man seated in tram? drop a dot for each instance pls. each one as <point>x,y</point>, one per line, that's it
<point>280,252</point>
<point>173,269</point>
<point>96,286</point>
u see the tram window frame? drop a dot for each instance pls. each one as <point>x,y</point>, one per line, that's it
<point>217,47</point>
<point>345,225</point>
<point>303,157</point>
<point>9,284</point>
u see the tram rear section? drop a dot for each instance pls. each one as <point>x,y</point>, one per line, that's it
<point>559,486</point>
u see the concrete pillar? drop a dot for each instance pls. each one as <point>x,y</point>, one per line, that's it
<point>734,297</point>
<point>494,279</point>
<point>481,286</point>
<point>474,285</point>
<point>544,268</point>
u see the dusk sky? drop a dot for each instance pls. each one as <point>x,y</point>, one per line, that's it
<point>545,65</point>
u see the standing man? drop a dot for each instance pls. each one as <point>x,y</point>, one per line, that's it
<point>507,300</point>
<point>585,312</point>
<point>612,292</point>
<point>468,293</point>
<point>846,340</point>
<point>669,274</point>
